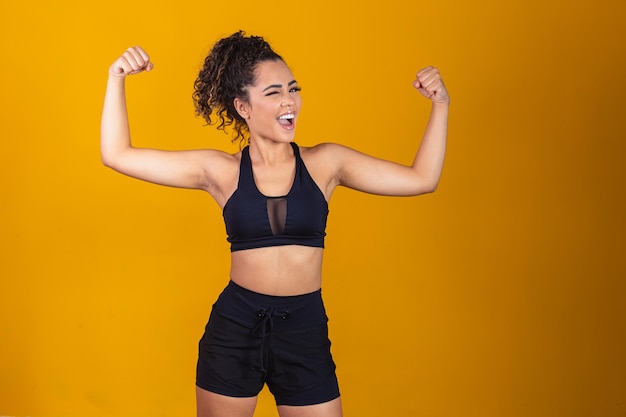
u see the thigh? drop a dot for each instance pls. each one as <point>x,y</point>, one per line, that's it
<point>327,409</point>
<point>229,359</point>
<point>302,368</point>
<point>210,404</point>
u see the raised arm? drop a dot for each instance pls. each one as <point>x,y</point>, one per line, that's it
<point>377,176</point>
<point>186,169</point>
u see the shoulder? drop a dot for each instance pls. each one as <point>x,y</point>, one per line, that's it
<point>221,169</point>
<point>331,155</point>
<point>219,157</point>
<point>325,162</point>
<point>329,164</point>
<point>326,151</point>
<point>215,161</point>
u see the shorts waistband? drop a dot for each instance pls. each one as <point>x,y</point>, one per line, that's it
<point>291,312</point>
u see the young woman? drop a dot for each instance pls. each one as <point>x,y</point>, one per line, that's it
<point>269,325</point>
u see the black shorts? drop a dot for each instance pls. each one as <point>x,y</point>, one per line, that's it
<point>253,339</point>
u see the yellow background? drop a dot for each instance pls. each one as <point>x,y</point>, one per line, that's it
<point>502,294</point>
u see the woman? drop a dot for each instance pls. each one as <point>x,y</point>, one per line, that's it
<point>269,324</point>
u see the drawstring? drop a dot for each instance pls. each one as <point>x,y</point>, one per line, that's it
<point>266,325</point>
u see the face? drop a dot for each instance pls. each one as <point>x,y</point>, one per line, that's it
<point>271,111</point>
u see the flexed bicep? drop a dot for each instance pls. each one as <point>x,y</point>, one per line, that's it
<point>377,176</point>
<point>373,175</point>
<point>186,169</point>
<point>182,169</point>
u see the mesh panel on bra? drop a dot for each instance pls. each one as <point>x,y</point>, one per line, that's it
<point>277,214</point>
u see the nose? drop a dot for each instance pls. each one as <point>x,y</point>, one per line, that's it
<point>288,101</point>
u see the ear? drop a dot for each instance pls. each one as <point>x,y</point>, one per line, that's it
<point>242,107</point>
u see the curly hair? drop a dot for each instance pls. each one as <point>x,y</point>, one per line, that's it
<point>227,71</point>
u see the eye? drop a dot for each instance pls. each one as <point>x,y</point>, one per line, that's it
<point>271,93</point>
<point>295,89</point>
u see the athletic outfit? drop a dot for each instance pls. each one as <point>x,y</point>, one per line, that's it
<point>253,339</point>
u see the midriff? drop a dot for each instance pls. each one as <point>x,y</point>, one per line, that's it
<point>278,270</point>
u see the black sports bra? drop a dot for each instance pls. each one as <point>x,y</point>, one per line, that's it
<point>254,220</point>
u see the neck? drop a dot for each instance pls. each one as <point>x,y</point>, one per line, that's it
<point>270,153</point>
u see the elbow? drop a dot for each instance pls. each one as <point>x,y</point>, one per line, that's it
<point>110,160</point>
<point>434,185</point>
<point>421,189</point>
<point>430,188</point>
<point>107,161</point>
<point>425,182</point>
<point>105,154</point>
<point>111,157</point>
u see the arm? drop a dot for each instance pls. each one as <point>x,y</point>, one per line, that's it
<point>178,169</point>
<point>376,176</point>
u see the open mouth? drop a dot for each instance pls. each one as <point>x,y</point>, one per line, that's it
<point>286,120</point>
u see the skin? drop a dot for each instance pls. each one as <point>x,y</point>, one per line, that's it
<point>280,270</point>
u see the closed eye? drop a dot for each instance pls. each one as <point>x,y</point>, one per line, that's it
<point>291,90</point>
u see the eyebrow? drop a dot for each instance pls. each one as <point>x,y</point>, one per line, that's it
<point>279,85</point>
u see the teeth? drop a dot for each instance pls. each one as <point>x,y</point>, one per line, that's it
<point>287,116</point>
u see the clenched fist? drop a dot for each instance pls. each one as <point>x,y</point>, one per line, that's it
<point>133,61</point>
<point>428,82</point>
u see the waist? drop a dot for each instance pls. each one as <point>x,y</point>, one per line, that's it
<point>253,309</point>
<point>278,270</point>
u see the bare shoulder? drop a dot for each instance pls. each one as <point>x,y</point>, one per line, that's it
<point>322,148</point>
<point>332,156</point>
<point>222,170</point>
<point>215,163</point>
<point>220,159</point>
<point>325,152</point>
<point>316,157</point>
<point>323,161</point>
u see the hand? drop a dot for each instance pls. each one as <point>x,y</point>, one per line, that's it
<point>429,83</point>
<point>133,61</point>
